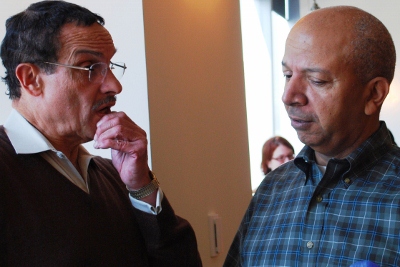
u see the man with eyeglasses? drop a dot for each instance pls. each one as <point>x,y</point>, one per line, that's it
<point>59,205</point>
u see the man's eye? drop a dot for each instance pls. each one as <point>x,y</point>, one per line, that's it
<point>88,66</point>
<point>287,76</point>
<point>318,82</point>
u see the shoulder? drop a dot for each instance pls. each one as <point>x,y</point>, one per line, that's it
<point>389,164</point>
<point>6,148</point>
<point>286,176</point>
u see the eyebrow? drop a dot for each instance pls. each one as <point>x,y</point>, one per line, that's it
<point>95,53</point>
<point>318,70</point>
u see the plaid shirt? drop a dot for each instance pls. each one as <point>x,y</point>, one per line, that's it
<point>301,217</point>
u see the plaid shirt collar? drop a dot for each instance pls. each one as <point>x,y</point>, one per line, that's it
<point>356,162</point>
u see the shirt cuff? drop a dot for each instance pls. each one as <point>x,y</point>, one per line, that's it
<point>145,207</point>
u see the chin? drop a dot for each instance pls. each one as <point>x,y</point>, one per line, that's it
<point>307,140</point>
<point>90,132</point>
<point>99,115</point>
<point>302,136</point>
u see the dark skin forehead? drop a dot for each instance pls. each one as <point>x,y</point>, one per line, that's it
<point>367,45</point>
<point>326,26</point>
<point>331,30</point>
<point>338,19</point>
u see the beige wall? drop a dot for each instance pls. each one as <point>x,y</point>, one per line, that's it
<point>197,112</point>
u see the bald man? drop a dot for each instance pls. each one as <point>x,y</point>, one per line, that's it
<point>337,202</point>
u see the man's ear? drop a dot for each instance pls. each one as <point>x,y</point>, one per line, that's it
<point>377,90</point>
<point>28,75</point>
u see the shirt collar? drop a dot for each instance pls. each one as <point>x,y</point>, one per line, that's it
<point>378,144</point>
<point>372,149</point>
<point>26,139</point>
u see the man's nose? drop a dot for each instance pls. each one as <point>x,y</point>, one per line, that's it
<point>294,92</point>
<point>111,83</point>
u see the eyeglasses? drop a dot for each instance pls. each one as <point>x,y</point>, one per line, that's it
<point>98,71</point>
<point>282,158</point>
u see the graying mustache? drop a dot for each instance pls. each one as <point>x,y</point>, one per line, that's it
<point>106,100</point>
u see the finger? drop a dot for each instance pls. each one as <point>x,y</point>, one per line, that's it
<point>112,119</point>
<point>135,148</point>
<point>121,138</point>
<point>138,147</point>
<point>119,128</point>
<point>124,132</point>
<point>115,136</point>
<point>129,146</point>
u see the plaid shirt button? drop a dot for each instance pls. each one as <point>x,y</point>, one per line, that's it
<point>310,244</point>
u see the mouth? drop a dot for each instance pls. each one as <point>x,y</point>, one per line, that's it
<point>104,106</point>
<point>105,110</point>
<point>299,123</point>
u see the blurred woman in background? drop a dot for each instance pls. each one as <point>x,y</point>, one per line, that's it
<point>276,151</point>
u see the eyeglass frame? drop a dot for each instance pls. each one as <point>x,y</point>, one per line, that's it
<point>282,158</point>
<point>90,68</point>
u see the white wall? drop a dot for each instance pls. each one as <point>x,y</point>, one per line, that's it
<point>258,64</point>
<point>124,20</point>
<point>388,12</point>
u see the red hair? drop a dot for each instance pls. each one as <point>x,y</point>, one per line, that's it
<point>268,149</point>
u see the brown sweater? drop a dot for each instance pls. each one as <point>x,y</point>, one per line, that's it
<point>45,220</point>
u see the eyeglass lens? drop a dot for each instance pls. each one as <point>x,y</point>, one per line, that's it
<point>118,69</point>
<point>284,157</point>
<point>98,71</point>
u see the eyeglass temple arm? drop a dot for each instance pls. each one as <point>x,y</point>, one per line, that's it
<point>121,66</point>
